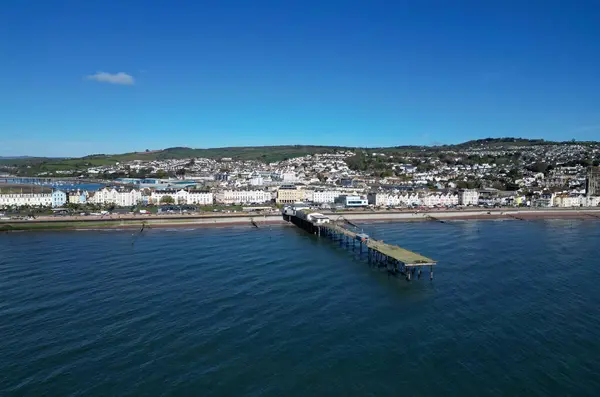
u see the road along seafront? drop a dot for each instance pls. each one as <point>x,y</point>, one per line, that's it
<point>136,221</point>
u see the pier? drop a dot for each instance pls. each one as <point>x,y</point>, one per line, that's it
<point>394,259</point>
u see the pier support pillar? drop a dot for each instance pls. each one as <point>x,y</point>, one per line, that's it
<point>431,273</point>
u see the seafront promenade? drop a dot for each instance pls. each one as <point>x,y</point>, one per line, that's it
<point>173,220</point>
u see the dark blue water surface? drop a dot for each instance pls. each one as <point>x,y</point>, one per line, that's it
<point>513,311</point>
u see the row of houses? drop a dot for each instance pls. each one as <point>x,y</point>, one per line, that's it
<point>284,195</point>
<point>56,198</point>
<point>293,194</point>
<point>131,197</point>
<point>567,201</point>
<point>463,197</point>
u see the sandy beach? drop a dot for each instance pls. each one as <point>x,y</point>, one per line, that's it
<point>221,220</point>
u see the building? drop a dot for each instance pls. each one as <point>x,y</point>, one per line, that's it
<point>592,201</point>
<point>468,197</point>
<point>182,196</point>
<point>394,200</point>
<point>289,177</point>
<point>29,199</point>
<point>325,196</point>
<point>564,201</point>
<point>200,198</point>
<point>353,201</point>
<point>78,197</point>
<point>592,185</point>
<point>59,198</point>
<point>243,197</point>
<point>289,195</point>
<point>158,196</point>
<point>568,201</point>
<point>309,195</point>
<point>440,200</point>
<point>543,201</point>
<point>121,198</point>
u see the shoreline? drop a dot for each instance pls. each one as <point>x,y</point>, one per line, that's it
<point>171,221</point>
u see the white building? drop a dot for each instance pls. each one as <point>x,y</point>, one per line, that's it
<point>157,195</point>
<point>325,196</point>
<point>243,197</point>
<point>354,201</point>
<point>569,201</point>
<point>121,198</point>
<point>592,201</point>
<point>308,195</point>
<point>22,199</point>
<point>394,200</point>
<point>289,177</point>
<point>318,218</point>
<point>183,196</point>
<point>440,199</point>
<point>257,181</point>
<point>200,198</point>
<point>468,197</point>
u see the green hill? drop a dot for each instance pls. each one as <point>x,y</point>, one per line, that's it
<point>260,153</point>
<point>36,165</point>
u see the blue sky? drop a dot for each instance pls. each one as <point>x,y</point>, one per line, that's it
<point>80,77</point>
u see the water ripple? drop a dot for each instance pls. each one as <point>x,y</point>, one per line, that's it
<point>275,311</point>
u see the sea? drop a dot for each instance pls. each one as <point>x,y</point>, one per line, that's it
<point>513,310</point>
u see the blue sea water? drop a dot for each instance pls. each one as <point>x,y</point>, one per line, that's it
<point>90,187</point>
<point>512,311</point>
<point>57,185</point>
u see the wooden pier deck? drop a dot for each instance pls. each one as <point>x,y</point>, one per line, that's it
<point>408,258</point>
<point>405,256</point>
<point>395,260</point>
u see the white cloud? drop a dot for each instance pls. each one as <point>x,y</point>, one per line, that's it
<point>116,78</point>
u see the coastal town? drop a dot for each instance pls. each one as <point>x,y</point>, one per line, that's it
<point>485,174</point>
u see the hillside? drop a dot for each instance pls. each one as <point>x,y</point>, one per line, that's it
<point>35,165</point>
<point>261,153</point>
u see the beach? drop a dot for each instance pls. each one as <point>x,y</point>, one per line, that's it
<point>174,220</point>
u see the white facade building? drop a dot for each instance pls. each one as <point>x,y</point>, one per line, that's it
<point>257,181</point>
<point>354,201</point>
<point>183,196</point>
<point>569,201</point>
<point>468,197</point>
<point>289,177</point>
<point>22,199</point>
<point>121,198</point>
<point>394,200</point>
<point>440,199</point>
<point>592,201</point>
<point>200,198</point>
<point>325,196</point>
<point>243,197</point>
<point>309,195</point>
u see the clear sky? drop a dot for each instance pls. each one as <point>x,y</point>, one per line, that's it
<point>80,77</point>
